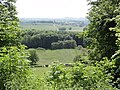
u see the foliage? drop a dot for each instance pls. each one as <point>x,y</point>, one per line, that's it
<point>44,39</point>
<point>102,34</point>
<point>116,56</point>
<point>33,56</point>
<point>9,32</point>
<point>81,58</point>
<point>64,44</point>
<point>81,76</point>
<point>14,68</point>
<point>70,28</point>
<point>101,17</point>
<point>62,28</point>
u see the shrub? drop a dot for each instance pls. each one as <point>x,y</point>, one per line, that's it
<point>70,28</point>
<point>13,68</point>
<point>81,58</point>
<point>33,56</point>
<point>79,47</point>
<point>62,28</point>
<point>82,76</point>
<point>70,44</point>
<point>64,44</point>
<point>57,45</point>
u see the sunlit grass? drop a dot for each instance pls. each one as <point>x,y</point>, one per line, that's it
<point>49,27</point>
<point>46,57</point>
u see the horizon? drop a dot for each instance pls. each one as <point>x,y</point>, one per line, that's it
<point>52,18</point>
<point>52,9</point>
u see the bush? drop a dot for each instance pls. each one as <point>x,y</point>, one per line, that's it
<point>81,58</point>
<point>33,56</point>
<point>14,68</point>
<point>64,44</point>
<point>57,45</point>
<point>62,28</point>
<point>70,44</point>
<point>79,47</point>
<point>82,76</point>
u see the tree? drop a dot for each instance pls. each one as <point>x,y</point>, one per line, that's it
<point>44,39</point>
<point>33,56</point>
<point>9,31</point>
<point>64,44</point>
<point>62,28</point>
<point>101,17</point>
<point>104,32</point>
<point>14,69</point>
<point>70,28</point>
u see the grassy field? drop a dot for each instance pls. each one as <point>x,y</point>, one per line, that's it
<point>49,27</point>
<point>60,55</point>
<point>38,26</point>
<point>46,57</point>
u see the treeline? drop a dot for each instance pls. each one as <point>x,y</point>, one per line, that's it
<point>50,39</point>
<point>37,21</point>
<point>73,22</point>
<point>64,44</point>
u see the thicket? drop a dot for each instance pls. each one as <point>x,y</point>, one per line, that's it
<point>46,39</point>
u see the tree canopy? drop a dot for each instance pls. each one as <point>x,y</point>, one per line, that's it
<point>14,69</point>
<point>9,31</point>
<point>102,17</point>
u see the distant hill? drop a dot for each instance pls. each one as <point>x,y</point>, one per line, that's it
<point>84,21</point>
<point>56,19</point>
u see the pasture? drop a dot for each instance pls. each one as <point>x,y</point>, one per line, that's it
<point>47,57</point>
<point>47,26</point>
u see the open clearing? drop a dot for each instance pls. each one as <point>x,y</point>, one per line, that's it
<point>60,55</point>
<point>46,57</point>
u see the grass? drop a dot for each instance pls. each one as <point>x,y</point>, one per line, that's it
<point>38,26</point>
<point>46,57</point>
<point>49,27</point>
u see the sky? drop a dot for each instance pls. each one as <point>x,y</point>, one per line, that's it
<point>51,8</point>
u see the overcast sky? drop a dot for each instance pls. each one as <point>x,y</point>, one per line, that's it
<point>51,8</point>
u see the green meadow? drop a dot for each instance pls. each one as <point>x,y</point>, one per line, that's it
<point>48,27</point>
<point>47,57</point>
